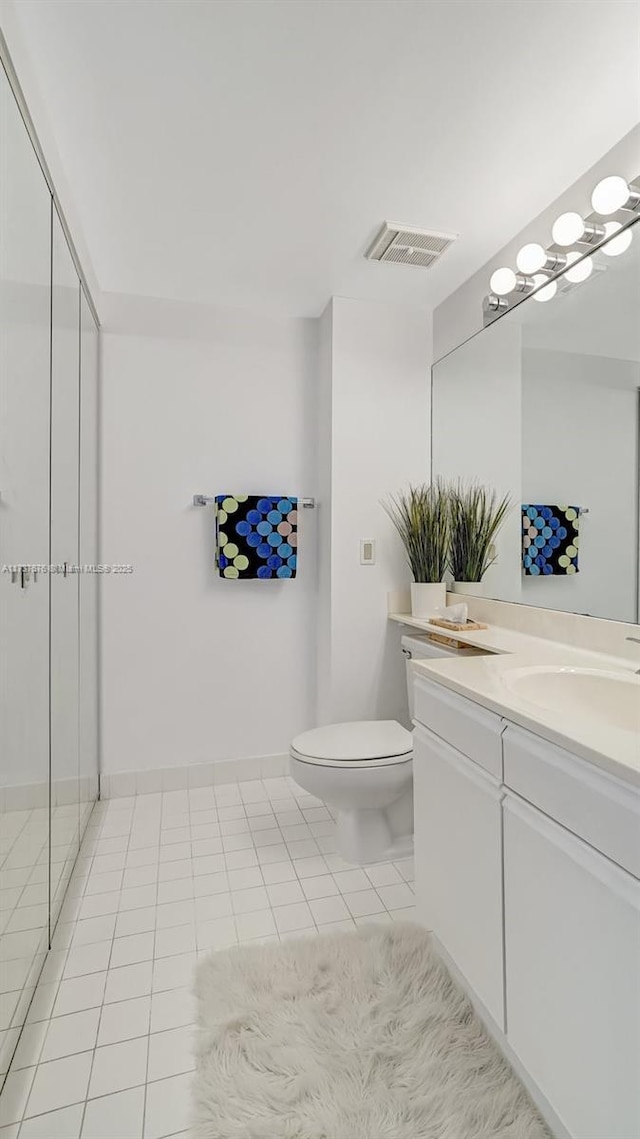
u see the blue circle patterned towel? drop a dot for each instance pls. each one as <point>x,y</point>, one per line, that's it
<point>256,536</point>
<point>550,539</point>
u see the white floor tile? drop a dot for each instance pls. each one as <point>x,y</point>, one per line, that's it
<point>177,890</point>
<point>79,993</point>
<point>181,868</point>
<point>279,872</point>
<point>67,1035</point>
<point>62,1124</point>
<point>383,874</point>
<point>348,881</point>
<point>128,981</point>
<point>135,921</point>
<point>119,1066</point>
<point>175,972</point>
<point>239,859</point>
<point>406,868</point>
<point>397,896</point>
<point>328,909</point>
<point>171,1053</point>
<point>297,916</point>
<point>269,854</point>
<point>30,1044</point>
<point>94,929</point>
<point>138,896</point>
<point>175,913</point>
<point>285,893</point>
<point>362,903</point>
<point>59,1083</point>
<point>213,906</point>
<point>168,1104</point>
<point>176,939</point>
<point>260,923</point>
<point>322,886</point>
<point>130,950</point>
<point>303,848</point>
<point>172,1008</point>
<point>117,1116</point>
<point>124,1020</point>
<point>217,934</point>
<point>310,867</point>
<point>84,959</point>
<point>237,842</point>
<point>244,901</point>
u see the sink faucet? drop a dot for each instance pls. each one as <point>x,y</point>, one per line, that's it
<point>636,641</point>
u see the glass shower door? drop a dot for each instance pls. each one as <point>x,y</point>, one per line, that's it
<point>25,296</point>
<point>65,592</point>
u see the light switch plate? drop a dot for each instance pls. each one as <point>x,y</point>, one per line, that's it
<point>367,552</point>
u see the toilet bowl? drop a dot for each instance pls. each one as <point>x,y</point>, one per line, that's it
<point>363,771</point>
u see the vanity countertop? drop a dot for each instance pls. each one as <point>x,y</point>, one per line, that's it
<point>483,680</point>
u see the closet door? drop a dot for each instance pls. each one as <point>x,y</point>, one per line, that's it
<point>25,295</point>
<point>65,595</point>
<point>88,581</point>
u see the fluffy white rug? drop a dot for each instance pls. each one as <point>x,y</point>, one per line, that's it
<point>348,1036</point>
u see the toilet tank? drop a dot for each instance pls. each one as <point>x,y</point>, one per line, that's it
<point>415,647</point>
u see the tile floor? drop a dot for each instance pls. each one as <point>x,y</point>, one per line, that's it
<point>161,881</point>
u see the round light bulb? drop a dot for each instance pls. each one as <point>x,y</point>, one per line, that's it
<point>617,245</point>
<point>579,270</point>
<point>502,281</point>
<point>549,290</point>
<point>531,258</point>
<point>567,229</point>
<point>610,194</point>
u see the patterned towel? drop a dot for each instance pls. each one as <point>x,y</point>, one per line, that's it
<point>550,539</point>
<point>256,535</point>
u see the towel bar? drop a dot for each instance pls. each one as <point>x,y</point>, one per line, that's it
<point>204,500</point>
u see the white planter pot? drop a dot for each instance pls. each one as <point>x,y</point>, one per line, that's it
<point>427,598</point>
<point>471,588</point>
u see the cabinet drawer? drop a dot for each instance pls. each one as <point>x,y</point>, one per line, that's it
<point>469,728</point>
<point>596,806</point>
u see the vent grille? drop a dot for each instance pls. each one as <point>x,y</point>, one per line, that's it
<point>406,245</point>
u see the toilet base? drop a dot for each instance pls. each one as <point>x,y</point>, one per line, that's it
<point>364,836</point>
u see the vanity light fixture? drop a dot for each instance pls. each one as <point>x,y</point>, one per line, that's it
<point>549,291</point>
<point>571,229</point>
<point>504,281</point>
<point>579,269</point>
<point>533,258</point>
<point>536,265</point>
<point>614,193</point>
<point>617,245</point>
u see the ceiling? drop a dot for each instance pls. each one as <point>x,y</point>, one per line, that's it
<point>244,152</point>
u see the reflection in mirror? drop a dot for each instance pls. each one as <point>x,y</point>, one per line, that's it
<point>25,256</point>
<point>544,406</point>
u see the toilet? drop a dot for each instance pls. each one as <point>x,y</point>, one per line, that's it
<point>363,771</point>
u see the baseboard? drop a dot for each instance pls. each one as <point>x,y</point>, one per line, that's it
<point>119,784</point>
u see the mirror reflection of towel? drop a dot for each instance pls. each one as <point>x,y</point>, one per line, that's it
<point>256,536</point>
<point>550,539</point>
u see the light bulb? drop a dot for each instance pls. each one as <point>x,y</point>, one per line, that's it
<point>617,245</point>
<point>610,195</point>
<point>549,290</point>
<point>567,229</point>
<point>579,270</point>
<point>502,281</point>
<point>531,258</point>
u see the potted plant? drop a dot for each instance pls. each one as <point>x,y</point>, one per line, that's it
<point>421,517</point>
<point>476,517</point>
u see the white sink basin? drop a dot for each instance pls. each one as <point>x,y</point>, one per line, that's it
<point>610,698</point>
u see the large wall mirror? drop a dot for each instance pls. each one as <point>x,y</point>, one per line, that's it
<point>544,404</point>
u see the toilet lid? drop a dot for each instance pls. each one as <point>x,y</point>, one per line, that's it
<point>358,740</point>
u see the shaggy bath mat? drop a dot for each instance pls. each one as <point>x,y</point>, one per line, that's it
<point>348,1036</point>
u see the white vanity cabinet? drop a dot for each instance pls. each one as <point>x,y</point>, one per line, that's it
<point>458,853</point>
<point>527,862</point>
<point>572,955</point>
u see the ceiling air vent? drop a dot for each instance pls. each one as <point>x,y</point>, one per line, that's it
<point>407,245</point>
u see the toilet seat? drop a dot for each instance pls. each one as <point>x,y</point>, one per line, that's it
<point>360,743</point>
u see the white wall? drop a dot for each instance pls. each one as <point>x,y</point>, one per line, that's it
<point>476,433</point>
<point>376,396</point>
<point>580,446</point>
<point>197,669</point>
